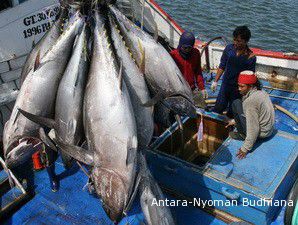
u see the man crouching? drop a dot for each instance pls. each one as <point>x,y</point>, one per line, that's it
<point>253,114</point>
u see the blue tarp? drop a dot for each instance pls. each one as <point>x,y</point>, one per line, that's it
<point>74,205</point>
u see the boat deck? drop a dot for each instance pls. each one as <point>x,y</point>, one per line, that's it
<point>73,204</point>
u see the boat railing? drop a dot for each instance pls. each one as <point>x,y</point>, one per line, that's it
<point>12,179</point>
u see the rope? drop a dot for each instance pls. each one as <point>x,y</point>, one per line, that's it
<point>283,110</point>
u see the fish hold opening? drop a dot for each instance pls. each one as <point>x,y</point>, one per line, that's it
<point>192,150</point>
<point>112,190</point>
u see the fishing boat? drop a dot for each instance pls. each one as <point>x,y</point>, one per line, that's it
<point>203,180</point>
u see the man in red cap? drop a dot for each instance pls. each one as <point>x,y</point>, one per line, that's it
<point>253,115</point>
<point>188,60</point>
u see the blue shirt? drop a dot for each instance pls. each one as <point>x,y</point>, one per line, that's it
<point>233,65</point>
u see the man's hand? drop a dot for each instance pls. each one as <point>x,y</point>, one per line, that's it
<point>231,123</point>
<point>214,86</point>
<point>204,93</point>
<point>241,154</point>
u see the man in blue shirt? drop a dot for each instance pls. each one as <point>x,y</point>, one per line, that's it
<point>237,57</point>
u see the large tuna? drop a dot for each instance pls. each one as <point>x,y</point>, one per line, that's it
<point>68,123</point>
<point>137,87</point>
<point>162,74</point>
<point>150,194</point>
<point>109,126</point>
<point>37,96</point>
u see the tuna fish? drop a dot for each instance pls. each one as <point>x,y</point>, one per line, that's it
<point>162,74</point>
<point>69,103</point>
<point>137,87</point>
<point>37,96</point>
<point>109,126</point>
<point>68,123</point>
<point>44,44</point>
<point>150,192</point>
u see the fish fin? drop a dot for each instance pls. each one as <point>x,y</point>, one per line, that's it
<point>120,76</point>
<point>37,61</point>
<point>157,98</point>
<point>143,57</point>
<point>17,115</point>
<point>133,194</point>
<point>46,139</point>
<point>39,119</point>
<point>76,152</point>
<point>156,33</point>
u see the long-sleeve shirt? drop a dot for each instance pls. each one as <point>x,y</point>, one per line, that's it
<point>190,68</point>
<point>233,65</point>
<point>259,112</point>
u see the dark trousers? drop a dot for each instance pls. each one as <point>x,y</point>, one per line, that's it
<point>227,94</point>
<point>239,116</point>
<point>51,172</point>
<point>49,157</point>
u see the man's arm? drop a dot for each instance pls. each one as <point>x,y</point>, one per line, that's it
<point>218,74</point>
<point>217,77</point>
<point>252,127</point>
<point>221,69</point>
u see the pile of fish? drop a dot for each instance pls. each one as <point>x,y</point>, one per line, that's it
<point>96,77</point>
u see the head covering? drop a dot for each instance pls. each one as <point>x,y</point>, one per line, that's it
<point>187,39</point>
<point>247,77</point>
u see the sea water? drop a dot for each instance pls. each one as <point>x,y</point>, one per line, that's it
<point>273,23</point>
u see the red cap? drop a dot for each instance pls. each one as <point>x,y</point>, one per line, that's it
<point>247,77</point>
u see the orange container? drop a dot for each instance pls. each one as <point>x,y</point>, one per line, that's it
<point>37,165</point>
